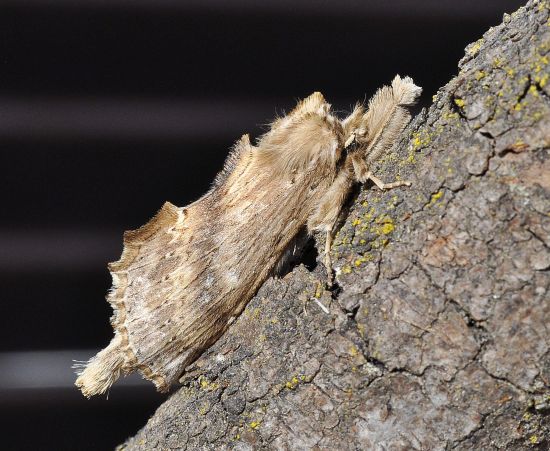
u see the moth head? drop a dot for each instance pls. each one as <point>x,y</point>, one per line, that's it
<point>374,130</point>
<point>308,138</point>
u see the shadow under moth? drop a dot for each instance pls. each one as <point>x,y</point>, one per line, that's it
<point>186,274</point>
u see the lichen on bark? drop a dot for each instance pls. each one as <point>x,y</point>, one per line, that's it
<point>438,336</point>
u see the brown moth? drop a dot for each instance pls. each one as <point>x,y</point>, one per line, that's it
<point>186,274</point>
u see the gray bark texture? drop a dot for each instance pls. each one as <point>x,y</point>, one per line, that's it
<point>439,334</point>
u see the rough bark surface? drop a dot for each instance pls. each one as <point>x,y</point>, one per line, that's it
<point>439,335</point>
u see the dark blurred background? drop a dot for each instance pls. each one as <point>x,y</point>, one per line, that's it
<point>110,107</point>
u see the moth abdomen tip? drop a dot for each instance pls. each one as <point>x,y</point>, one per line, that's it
<point>102,370</point>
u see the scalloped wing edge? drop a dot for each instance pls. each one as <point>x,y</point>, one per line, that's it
<point>118,358</point>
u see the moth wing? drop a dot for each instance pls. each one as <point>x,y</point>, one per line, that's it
<point>166,295</point>
<point>185,274</point>
<point>142,298</point>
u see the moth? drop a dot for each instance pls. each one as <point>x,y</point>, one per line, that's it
<point>185,275</point>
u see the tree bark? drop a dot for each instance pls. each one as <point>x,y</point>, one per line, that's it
<point>438,336</point>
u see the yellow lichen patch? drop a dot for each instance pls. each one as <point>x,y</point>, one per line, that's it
<point>534,439</point>
<point>355,222</point>
<point>435,197</point>
<point>473,49</point>
<point>297,380</point>
<point>255,424</point>
<point>292,384</point>
<point>480,74</point>
<point>387,228</point>
<point>450,115</point>
<point>390,157</point>
<point>203,409</point>
<point>369,214</point>
<point>353,351</point>
<point>537,116</point>
<point>533,91</point>
<point>252,313</point>
<point>205,384</point>
<point>411,158</point>
<point>419,139</point>
<point>540,63</point>
<point>362,259</point>
<point>384,225</point>
<point>376,244</point>
<point>361,330</point>
<point>344,240</point>
<point>459,103</point>
<point>488,101</point>
<point>318,291</point>
<point>346,269</point>
<point>541,81</point>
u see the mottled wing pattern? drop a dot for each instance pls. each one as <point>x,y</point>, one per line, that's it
<point>186,273</point>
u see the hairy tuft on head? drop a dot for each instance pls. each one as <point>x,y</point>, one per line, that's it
<point>388,113</point>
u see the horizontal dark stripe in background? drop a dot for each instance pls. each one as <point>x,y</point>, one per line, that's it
<point>110,107</point>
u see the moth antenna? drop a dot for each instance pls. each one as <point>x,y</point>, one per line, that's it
<point>102,370</point>
<point>385,118</point>
<point>388,115</point>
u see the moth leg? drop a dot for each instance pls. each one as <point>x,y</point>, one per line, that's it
<point>326,215</point>
<point>362,174</point>
<point>328,258</point>
<point>380,184</point>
